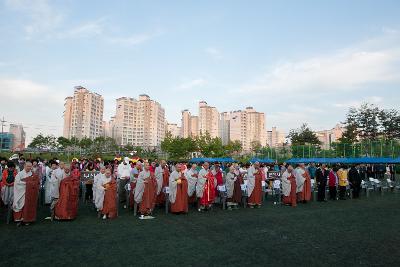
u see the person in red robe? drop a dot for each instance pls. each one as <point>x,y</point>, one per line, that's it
<point>254,186</point>
<point>178,191</point>
<point>162,176</point>
<point>26,191</point>
<point>218,174</point>
<point>110,196</point>
<point>146,192</point>
<point>67,204</point>
<point>205,188</point>
<point>303,182</point>
<point>289,187</point>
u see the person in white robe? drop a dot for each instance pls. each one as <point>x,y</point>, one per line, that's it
<point>298,173</point>
<point>191,176</point>
<point>103,179</point>
<point>96,179</point>
<point>231,178</point>
<point>47,185</point>
<point>55,179</point>
<point>20,187</point>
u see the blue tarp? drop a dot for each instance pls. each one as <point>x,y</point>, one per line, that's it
<point>212,160</point>
<point>266,160</point>
<point>364,160</point>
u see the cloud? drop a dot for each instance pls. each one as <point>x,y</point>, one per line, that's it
<point>358,103</point>
<point>135,39</point>
<point>213,52</point>
<point>86,29</point>
<point>373,61</point>
<point>192,84</point>
<point>42,17</point>
<point>37,106</point>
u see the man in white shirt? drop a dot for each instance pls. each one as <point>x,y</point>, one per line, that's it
<point>124,174</point>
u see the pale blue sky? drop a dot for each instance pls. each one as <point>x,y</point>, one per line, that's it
<point>297,61</point>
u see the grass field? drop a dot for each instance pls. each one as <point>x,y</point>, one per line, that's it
<point>341,233</point>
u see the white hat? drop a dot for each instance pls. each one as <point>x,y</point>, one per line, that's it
<point>126,159</point>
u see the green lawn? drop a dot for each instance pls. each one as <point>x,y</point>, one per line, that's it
<point>342,233</point>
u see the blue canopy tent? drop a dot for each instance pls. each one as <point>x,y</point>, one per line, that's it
<point>265,160</point>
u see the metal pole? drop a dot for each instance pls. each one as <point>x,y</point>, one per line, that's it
<point>2,136</point>
<point>344,150</point>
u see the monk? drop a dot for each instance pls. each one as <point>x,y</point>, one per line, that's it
<point>106,196</point>
<point>162,176</point>
<point>66,207</point>
<point>146,192</point>
<point>231,188</point>
<point>7,184</point>
<point>96,179</point>
<point>191,177</point>
<point>178,188</point>
<point>55,179</point>
<point>133,179</point>
<point>289,187</point>
<point>47,184</point>
<point>218,174</point>
<point>254,185</point>
<point>303,182</point>
<point>205,188</point>
<point>26,191</point>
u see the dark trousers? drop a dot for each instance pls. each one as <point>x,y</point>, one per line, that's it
<point>342,192</point>
<point>332,192</point>
<point>121,190</point>
<point>89,192</point>
<point>321,192</point>
<point>356,191</point>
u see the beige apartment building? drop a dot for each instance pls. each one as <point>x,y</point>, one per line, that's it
<point>138,122</point>
<point>327,137</point>
<point>275,138</point>
<point>83,115</point>
<point>208,120</point>
<point>174,129</point>
<point>18,142</point>
<point>186,124</point>
<point>194,126</point>
<point>247,126</point>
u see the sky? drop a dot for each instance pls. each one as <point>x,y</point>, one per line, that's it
<point>296,61</point>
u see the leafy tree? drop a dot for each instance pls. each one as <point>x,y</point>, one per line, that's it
<point>303,136</point>
<point>85,143</point>
<point>351,127</point>
<point>63,142</point>
<point>233,148</point>
<point>390,123</point>
<point>255,146</point>
<point>368,121</point>
<point>43,142</point>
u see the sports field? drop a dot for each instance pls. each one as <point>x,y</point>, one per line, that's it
<point>342,233</point>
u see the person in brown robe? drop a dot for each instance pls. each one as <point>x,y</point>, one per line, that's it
<point>67,204</point>
<point>162,176</point>
<point>146,192</point>
<point>289,187</point>
<point>237,190</point>
<point>304,188</point>
<point>255,177</point>
<point>178,191</point>
<point>110,196</point>
<point>26,191</point>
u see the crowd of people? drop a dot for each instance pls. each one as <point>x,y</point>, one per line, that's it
<point>142,185</point>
